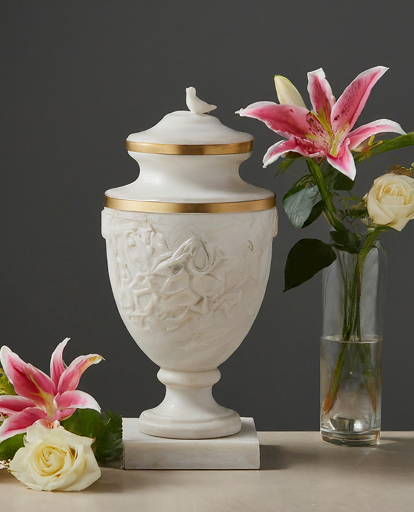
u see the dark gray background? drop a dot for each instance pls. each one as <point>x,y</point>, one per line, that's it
<point>79,76</point>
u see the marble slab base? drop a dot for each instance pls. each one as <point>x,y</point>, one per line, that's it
<point>239,451</point>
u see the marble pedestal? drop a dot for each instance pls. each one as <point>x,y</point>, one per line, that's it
<point>239,451</point>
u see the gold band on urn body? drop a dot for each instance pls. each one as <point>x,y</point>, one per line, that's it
<point>165,207</point>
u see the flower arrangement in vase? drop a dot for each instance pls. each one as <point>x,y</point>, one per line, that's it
<point>353,262</point>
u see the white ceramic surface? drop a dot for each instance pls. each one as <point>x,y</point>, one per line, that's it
<point>188,286</point>
<point>189,179</point>
<point>183,127</point>
<point>195,104</point>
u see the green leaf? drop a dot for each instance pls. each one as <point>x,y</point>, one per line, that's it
<point>341,182</point>
<point>106,429</point>
<point>298,203</point>
<point>358,211</point>
<point>306,258</point>
<point>284,166</point>
<point>290,158</point>
<point>9,447</point>
<point>346,241</point>
<point>6,387</point>
<point>314,214</point>
<point>109,441</point>
<point>382,146</point>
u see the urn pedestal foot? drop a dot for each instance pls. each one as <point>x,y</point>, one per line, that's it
<point>189,410</point>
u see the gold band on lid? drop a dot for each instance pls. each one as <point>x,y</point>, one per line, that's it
<point>163,207</point>
<point>190,149</point>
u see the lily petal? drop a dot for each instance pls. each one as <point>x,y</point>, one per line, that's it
<point>28,381</point>
<point>287,93</point>
<point>63,415</point>
<point>344,162</point>
<point>321,96</point>
<point>56,362</point>
<point>349,106</point>
<point>76,400</point>
<point>20,422</point>
<point>367,130</point>
<point>70,378</point>
<point>301,146</point>
<point>12,404</point>
<point>286,120</point>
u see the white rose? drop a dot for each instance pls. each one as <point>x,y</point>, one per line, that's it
<point>55,460</point>
<point>390,202</point>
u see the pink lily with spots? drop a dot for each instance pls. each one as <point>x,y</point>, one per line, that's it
<point>40,397</point>
<point>325,131</point>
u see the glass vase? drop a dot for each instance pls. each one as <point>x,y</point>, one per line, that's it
<point>351,348</point>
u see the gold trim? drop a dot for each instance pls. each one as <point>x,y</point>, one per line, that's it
<point>190,149</point>
<point>162,207</point>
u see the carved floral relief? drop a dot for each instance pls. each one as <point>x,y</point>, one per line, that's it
<point>162,286</point>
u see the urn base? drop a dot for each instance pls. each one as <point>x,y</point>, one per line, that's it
<point>240,451</point>
<point>189,410</point>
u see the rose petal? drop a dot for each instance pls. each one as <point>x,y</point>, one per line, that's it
<point>19,422</point>
<point>380,214</point>
<point>392,200</point>
<point>89,474</point>
<point>28,381</point>
<point>399,225</point>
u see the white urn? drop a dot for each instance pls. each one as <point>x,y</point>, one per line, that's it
<point>189,247</point>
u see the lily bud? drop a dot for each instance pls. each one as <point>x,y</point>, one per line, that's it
<point>287,92</point>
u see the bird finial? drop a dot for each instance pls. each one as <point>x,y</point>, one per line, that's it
<point>195,105</point>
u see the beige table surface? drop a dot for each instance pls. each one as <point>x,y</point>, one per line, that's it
<point>299,473</point>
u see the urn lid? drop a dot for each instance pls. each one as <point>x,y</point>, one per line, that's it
<point>172,182</point>
<point>192,132</point>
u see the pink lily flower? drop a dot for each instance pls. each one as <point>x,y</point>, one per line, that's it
<point>40,397</point>
<point>324,132</point>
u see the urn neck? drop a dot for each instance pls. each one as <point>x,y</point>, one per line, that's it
<point>186,179</point>
<point>190,172</point>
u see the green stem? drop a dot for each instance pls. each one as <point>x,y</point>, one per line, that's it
<point>334,385</point>
<point>369,372</point>
<point>326,195</point>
